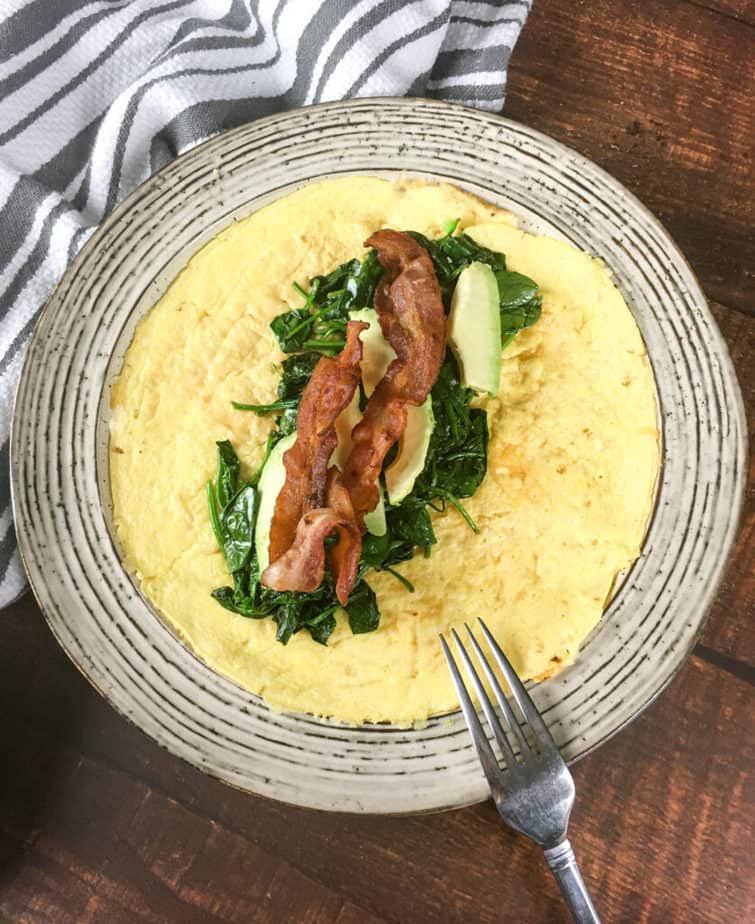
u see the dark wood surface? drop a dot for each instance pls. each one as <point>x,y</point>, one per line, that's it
<point>98,824</point>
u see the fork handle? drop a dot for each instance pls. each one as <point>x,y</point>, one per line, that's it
<point>564,867</point>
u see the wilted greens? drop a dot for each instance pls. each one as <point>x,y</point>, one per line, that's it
<point>456,460</point>
<point>519,303</point>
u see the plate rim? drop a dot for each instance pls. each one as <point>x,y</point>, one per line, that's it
<point>92,242</point>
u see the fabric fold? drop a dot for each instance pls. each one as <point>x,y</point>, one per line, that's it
<point>96,97</point>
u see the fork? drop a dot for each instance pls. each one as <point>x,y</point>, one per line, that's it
<point>534,794</point>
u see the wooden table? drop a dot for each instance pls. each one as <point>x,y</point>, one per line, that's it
<point>98,824</point>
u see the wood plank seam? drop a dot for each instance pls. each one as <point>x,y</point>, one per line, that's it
<point>742,310</point>
<point>724,13</point>
<point>111,762</point>
<point>734,666</point>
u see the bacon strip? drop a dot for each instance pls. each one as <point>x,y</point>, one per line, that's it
<point>327,393</point>
<point>409,304</point>
<point>345,554</point>
<point>302,567</point>
<point>410,308</point>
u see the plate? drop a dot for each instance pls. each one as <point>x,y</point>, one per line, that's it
<point>60,460</point>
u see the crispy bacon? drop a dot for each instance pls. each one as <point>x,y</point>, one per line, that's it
<point>302,567</point>
<point>316,501</point>
<point>327,393</point>
<point>410,308</point>
<point>344,556</point>
<point>381,426</point>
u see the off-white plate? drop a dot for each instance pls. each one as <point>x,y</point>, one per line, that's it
<point>60,458</point>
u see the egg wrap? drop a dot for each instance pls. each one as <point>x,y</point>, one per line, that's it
<point>572,461</point>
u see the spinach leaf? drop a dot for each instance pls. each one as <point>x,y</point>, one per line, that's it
<point>212,507</point>
<point>351,285</point>
<point>379,552</point>
<point>451,404</point>
<point>364,615</point>
<point>244,606</point>
<point>296,371</point>
<point>286,423</point>
<point>446,268</point>
<point>226,482</point>
<point>286,619</point>
<point>456,460</point>
<point>376,550</point>
<point>515,289</point>
<point>232,509</point>
<point>262,409</point>
<point>322,627</point>
<point>293,612</point>
<point>410,522</point>
<point>320,323</point>
<point>290,611</point>
<point>237,527</point>
<point>458,470</point>
<point>225,597</point>
<point>516,317</point>
<point>291,329</point>
<point>519,303</point>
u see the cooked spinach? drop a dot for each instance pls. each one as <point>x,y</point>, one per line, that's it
<point>380,552</point>
<point>232,509</point>
<point>237,526</point>
<point>262,409</point>
<point>321,321</point>
<point>410,523</point>
<point>364,615</point>
<point>293,611</point>
<point>296,371</point>
<point>233,525</point>
<point>456,460</point>
<point>457,455</point>
<point>227,479</point>
<point>519,303</point>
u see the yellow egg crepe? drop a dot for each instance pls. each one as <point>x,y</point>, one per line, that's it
<point>572,462</point>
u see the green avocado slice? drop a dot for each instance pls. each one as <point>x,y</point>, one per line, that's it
<point>412,451</point>
<point>474,328</point>
<point>271,481</point>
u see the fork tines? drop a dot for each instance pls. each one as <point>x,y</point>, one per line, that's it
<point>511,738</point>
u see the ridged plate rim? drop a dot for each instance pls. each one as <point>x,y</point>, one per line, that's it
<point>140,666</point>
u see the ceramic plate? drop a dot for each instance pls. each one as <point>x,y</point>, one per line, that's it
<point>60,469</point>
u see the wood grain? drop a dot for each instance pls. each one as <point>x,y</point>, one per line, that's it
<point>741,10</point>
<point>99,825</point>
<point>660,95</point>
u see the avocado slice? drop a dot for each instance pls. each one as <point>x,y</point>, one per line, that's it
<point>345,423</point>
<point>271,481</point>
<point>375,521</point>
<point>412,451</point>
<point>377,353</point>
<point>474,328</point>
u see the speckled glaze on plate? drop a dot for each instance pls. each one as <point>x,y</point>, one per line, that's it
<point>60,440</point>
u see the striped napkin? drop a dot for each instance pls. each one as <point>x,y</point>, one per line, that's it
<point>95,95</point>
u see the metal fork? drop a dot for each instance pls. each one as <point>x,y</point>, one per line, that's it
<point>534,794</point>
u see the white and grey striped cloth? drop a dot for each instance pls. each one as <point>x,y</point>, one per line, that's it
<point>95,95</point>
